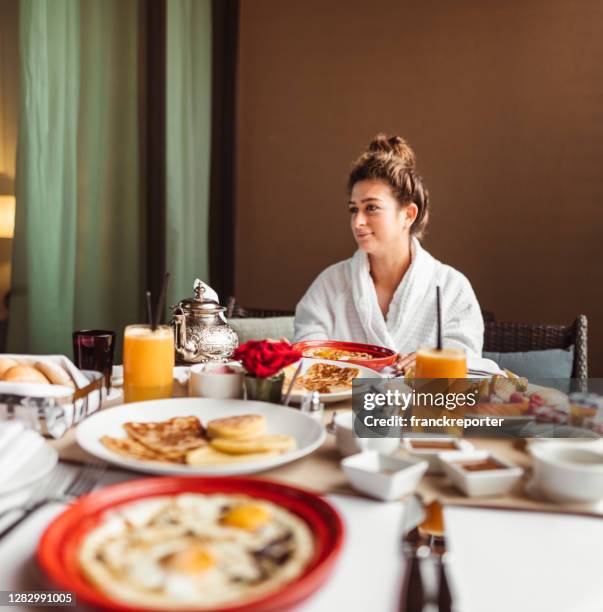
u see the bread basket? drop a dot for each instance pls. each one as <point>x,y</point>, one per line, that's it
<point>49,408</point>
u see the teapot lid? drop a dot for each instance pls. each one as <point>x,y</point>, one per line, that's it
<point>199,303</point>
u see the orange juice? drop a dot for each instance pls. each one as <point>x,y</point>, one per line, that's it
<point>444,363</point>
<point>148,362</point>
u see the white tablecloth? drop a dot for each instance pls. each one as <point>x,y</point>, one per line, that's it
<point>357,584</point>
<point>500,560</point>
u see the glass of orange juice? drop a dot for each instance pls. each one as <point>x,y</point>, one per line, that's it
<point>441,363</point>
<point>148,362</point>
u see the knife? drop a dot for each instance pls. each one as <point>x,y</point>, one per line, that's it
<point>412,598</point>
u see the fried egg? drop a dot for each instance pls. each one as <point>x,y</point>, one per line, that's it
<point>195,550</point>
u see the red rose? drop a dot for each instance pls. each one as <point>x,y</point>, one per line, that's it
<point>263,359</point>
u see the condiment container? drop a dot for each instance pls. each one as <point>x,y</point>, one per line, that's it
<point>382,476</point>
<point>429,448</point>
<point>479,482</point>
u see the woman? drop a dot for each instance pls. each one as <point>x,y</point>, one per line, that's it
<point>386,293</point>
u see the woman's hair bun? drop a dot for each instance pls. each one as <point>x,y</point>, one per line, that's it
<point>393,145</point>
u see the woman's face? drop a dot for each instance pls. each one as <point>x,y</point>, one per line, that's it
<point>377,219</point>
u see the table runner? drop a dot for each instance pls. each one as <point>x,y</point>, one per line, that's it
<point>320,472</point>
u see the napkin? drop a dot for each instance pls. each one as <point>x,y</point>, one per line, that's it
<point>17,446</point>
<point>502,560</point>
<point>483,366</point>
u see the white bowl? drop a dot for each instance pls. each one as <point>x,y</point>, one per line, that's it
<point>568,471</point>
<point>483,482</point>
<point>431,455</point>
<point>383,476</point>
<point>205,382</point>
<point>349,444</point>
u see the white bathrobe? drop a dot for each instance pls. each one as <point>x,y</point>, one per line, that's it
<point>341,304</point>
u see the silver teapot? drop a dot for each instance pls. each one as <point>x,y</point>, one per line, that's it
<point>201,333</point>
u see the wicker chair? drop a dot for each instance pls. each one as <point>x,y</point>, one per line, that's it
<point>503,337</point>
<point>234,310</point>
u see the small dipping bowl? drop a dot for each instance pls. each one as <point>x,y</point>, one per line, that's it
<point>431,448</point>
<point>568,471</point>
<point>216,380</point>
<point>382,476</point>
<point>463,469</point>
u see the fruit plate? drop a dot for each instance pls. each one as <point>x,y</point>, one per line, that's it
<point>58,549</point>
<point>381,357</point>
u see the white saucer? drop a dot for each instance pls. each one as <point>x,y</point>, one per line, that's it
<point>39,465</point>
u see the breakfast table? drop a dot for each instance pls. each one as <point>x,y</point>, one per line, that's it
<point>505,553</point>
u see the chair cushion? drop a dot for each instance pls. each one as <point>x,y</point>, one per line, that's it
<point>551,363</point>
<point>262,328</point>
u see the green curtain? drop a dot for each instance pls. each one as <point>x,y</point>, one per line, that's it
<point>44,247</point>
<point>78,256</point>
<point>77,248</point>
<point>188,133</point>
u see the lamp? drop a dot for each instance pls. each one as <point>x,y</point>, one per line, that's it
<point>7,216</point>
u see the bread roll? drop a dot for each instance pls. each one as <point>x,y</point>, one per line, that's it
<point>5,364</point>
<point>54,373</point>
<point>25,374</point>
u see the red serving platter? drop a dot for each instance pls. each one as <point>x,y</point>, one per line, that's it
<point>58,548</point>
<point>382,356</point>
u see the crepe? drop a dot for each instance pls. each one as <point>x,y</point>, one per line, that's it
<point>172,438</point>
<point>195,551</point>
<point>130,449</point>
<point>326,378</point>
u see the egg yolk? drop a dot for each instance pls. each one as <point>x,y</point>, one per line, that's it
<point>246,516</point>
<point>192,560</point>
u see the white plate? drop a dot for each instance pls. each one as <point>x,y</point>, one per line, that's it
<point>308,433</point>
<point>40,464</point>
<point>327,398</point>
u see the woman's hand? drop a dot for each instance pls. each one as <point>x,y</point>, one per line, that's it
<point>405,362</point>
<point>281,339</point>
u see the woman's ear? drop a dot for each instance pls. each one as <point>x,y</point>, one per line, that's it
<point>410,214</point>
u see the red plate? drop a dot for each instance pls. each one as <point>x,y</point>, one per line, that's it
<point>382,356</point>
<point>57,551</point>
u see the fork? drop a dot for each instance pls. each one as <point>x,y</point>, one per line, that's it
<point>85,480</point>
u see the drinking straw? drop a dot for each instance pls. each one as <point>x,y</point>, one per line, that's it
<point>161,301</point>
<point>149,308</point>
<point>439,314</point>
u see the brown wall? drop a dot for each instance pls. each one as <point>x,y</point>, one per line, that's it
<point>503,102</point>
